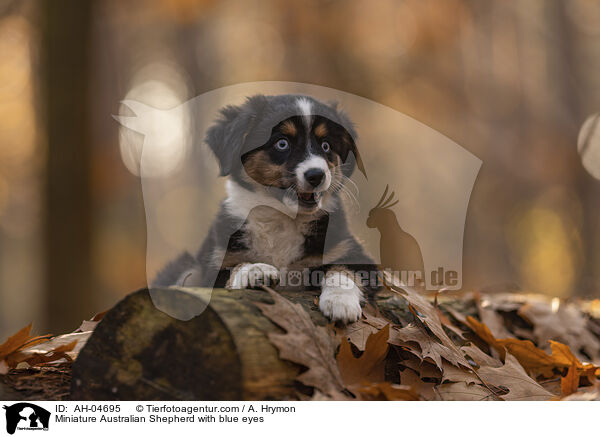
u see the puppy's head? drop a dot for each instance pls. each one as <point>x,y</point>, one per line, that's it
<point>294,148</point>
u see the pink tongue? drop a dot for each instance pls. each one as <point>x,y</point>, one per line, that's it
<point>305,196</point>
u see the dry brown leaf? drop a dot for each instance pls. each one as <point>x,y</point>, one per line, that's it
<point>532,358</point>
<point>79,338</point>
<point>373,317</point>
<point>15,341</point>
<point>429,346</point>
<point>385,391</point>
<point>458,316</point>
<point>481,330</point>
<point>364,376</point>
<point>367,368</point>
<point>491,319</point>
<point>90,325</point>
<point>588,370</point>
<point>565,323</point>
<point>459,374</point>
<point>570,382</point>
<point>42,350</point>
<point>425,369</point>
<point>461,391</point>
<point>562,352</point>
<point>536,360</point>
<point>410,378</point>
<point>304,343</point>
<point>429,316</point>
<point>553,386</point>
<point>14,344</point>
<point>36,359</point>
<point>513,377</point>
<point>508,301</point>
<point>357,333</point>
<point>587,394</point>
<point>445,320</point>
<point>480,357</point>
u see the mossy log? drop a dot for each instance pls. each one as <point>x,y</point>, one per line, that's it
<point>139,352</point>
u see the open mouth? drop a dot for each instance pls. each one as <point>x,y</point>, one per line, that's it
<point>309,199</point>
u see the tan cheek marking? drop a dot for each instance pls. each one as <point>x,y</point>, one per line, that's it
<point>321,130</point>
<point>261,170</point>
<point>337,161</point>
<point>289,128</point>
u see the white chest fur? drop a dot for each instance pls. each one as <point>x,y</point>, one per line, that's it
<point>274,238</point>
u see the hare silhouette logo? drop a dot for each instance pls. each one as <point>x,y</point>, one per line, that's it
<point>26,416</point>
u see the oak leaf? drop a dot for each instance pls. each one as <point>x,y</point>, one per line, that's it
<point>491,318</point>
<point>531,358</point>
<point>429,346</point>
<point>424,368</point>
<point>358,332</point>
<point>512,376</point>
<point>479,357</point>
<point>425,390</point>
<point>570,382</point>
<point>15,341</point>
<point>577,369</point>
<point>565,323</point>
<point>459,374</point>
<point>62,347</point>
<point>429,316</point>
<point>14,344</point>
<point>304,343</point>
<point>461,391</point>
<point>55,354</point>
<point>369,366</point>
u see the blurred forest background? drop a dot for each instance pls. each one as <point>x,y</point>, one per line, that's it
<point>511,81</point>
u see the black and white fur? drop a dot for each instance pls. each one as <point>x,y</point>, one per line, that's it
<point>287,159</point>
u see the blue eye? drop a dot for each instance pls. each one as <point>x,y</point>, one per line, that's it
<point>282,145</point>
<point>325,146</point>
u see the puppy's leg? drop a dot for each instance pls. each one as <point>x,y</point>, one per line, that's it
<point>251,275</point>
<point>340,297</point>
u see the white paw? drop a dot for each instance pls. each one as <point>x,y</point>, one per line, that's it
<point>340,303</point>
<point>251,275</point>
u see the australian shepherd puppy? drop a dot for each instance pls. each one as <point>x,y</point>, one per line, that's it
<point>287,159</point>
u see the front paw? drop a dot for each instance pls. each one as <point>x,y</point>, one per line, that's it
<point>252,275</point>
<point>340,306</point>
<point>341,297</point>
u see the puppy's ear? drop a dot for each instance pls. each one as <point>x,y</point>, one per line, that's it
<point>348,141</point>
<point>227,136</point>
<point>349,145</point>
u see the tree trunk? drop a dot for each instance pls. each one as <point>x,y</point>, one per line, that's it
<point>138,352</point>
<point>65,88</point>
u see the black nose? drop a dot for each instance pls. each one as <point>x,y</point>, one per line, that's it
<point>314,176</point>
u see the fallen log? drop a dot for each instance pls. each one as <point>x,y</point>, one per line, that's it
<point>8,393</point>
<point>138,352</point>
